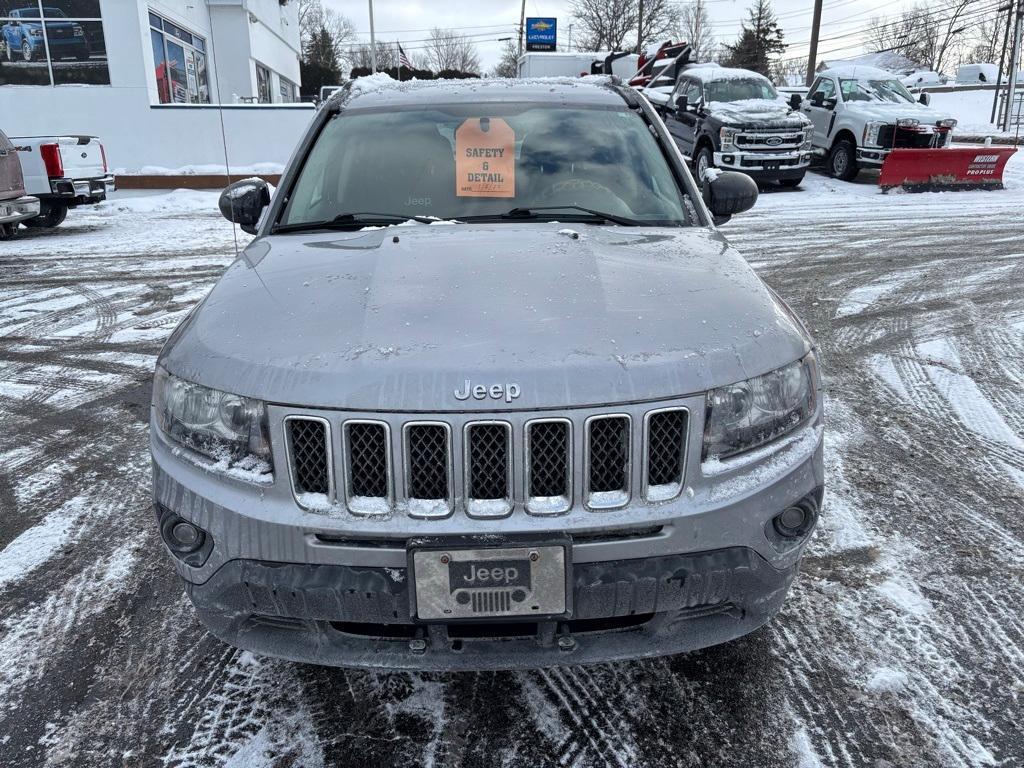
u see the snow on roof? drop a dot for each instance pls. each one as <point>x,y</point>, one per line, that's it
<point>888,60</point>
<point>715,72</point>
<point>381,82</point>
<point>858,72</point>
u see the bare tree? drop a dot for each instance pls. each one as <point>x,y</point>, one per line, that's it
<point>612,24</point>
<point>928,34</point>
<point>789,71</point>
<point>313,17</point>
<point>508,65</point>
<point>358,56</point>
<point>695,28</point>
<point>447,49</point>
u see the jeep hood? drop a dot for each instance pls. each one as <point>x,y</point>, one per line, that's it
<point>753,113</point>
<point>359,320</point>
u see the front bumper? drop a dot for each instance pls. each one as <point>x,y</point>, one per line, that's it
<point>872,155</point>
<point>649,579</point>
<point>81,191</point>
<point>13,211</point>
<point>765,165</point>
<point>358,616</point>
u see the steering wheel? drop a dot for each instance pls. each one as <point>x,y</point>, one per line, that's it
<point>589,194</point>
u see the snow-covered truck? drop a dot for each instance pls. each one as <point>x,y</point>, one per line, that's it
<point>63,172</point>
<point>865,117</point>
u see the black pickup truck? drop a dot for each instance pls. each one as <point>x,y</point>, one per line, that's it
<point>734,119</point>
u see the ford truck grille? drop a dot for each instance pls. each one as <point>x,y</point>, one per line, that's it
<point>485,467</point>
<point>770,140</point>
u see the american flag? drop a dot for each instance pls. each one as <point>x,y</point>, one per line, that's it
<point>403,60</point>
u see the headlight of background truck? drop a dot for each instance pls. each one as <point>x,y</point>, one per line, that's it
<point>808,134</point>
<point>726,135</point>
<point>227,428</point>
<point>871,133</point>
<point>756,411</point>
<point>908,122</point>
<point>947,123</point>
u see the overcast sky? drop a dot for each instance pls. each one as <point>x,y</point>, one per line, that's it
<point>487,20</point>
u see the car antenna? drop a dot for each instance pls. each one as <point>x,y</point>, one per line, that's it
<point>223,131</point>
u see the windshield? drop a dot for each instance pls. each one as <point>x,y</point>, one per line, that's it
<point>466,161</point>
<point>739,89</point>
<point>875,90</point>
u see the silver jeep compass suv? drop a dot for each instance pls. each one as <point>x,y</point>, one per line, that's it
<point>488,390</point>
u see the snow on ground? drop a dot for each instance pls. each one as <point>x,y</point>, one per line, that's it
<point>901,644</point>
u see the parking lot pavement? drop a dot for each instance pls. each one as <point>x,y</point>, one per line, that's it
<point>901,645</point>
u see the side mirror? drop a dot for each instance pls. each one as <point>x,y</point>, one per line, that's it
<point>795,100</point>
<point>727,193</point>
<point>243,202</point>
<point>681,104</point>
<point>818,99</point>
<point>925,98</point>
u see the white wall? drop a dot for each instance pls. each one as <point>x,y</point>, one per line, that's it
<point>136,131</point>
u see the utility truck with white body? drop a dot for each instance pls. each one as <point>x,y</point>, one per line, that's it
<point>63,172</point>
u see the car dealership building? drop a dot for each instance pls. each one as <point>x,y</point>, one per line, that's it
<point>149,77</point>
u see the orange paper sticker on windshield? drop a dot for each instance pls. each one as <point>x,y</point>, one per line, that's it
<point>485,158</point>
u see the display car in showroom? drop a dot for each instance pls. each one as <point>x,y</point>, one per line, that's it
<point>21,36</point>
<point>487,390</point>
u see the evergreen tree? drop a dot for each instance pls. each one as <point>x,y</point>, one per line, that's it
<point>760,38</point>
<point>319,66</point>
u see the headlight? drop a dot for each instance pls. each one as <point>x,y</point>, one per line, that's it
<point>726,135</point>
<point>756,411</point>
<point>871,133</point>
<point>79,32</point>
<point>36,32</point>
<point>947,123</point>
<point>908,122</point>
<point>229,429</point>
<point>808,134</point>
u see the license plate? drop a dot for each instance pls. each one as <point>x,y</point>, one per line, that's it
<point>481,583</point>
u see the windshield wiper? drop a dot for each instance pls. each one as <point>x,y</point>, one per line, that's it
<point>347,220</point>
<point>534,211</point>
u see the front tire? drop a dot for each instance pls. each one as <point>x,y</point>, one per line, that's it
<point>7,231</point>
<point>705,159</point>
<point>26,51</point>
<point>791,183</point>
<point>50,217</point>
<point>842,161</point>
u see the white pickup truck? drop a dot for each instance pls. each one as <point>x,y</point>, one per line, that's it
<point>63,172</point>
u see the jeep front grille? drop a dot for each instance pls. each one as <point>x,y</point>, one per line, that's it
<point>665,439</point>
<point>608,463</point>
<point>367,467</point>
<point>309,451</point>
<point>488,468</point>
<point>549,466</point>
<point>430,467</point>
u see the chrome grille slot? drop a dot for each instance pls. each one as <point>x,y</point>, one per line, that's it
<point>665,446</point>
<point>608,461</point>
<point>309,455</point>
<point>367,467</point>
<point>488,469</point>
<point>428,468</point>
<point>492,602</point>
<point>548,466</point>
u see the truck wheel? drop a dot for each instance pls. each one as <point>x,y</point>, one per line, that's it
<point>705,159</point>
<point>842,161</point>
<point>791,183</point>
<point>26,51</point>
<point>7,231</point>
<point>50,217</point>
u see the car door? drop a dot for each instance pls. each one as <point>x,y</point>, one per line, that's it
<point>819,106</point>
<point>671,115</point>
<point>685,132</point>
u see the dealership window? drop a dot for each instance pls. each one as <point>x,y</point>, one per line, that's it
<point>289,91</point>
<point>52,42</point>
<point>263,84</point>
<point>179,58</point>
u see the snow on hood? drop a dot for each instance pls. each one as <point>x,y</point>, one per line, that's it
<point>746,110</point>
<point>890,111</point>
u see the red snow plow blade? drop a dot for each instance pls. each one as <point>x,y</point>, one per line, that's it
<point>926,170</point>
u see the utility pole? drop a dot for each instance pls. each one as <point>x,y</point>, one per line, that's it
<point>570,38</point>
<point>373,43</point>
<point>812,56</point>
<point>640,27</point>
<point>1002,58</point>
<point>1014,64</point>
<point>522,26</point>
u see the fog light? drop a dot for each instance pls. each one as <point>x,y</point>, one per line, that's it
<point>791,521</point>
<point>727,159</point>
<point>185,537</point>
